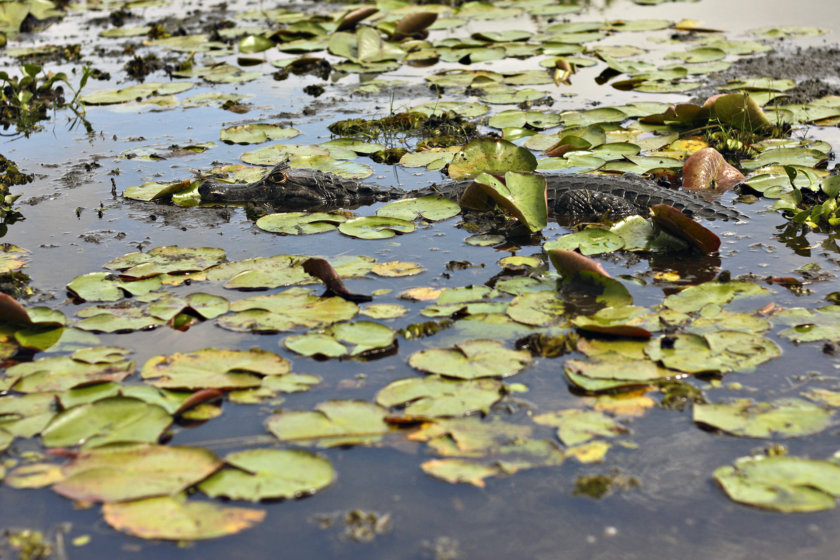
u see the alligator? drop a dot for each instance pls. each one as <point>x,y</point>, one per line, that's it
<point>570,195</point>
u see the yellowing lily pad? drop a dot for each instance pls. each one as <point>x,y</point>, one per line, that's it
<point>434,397</point>
<point>173,518</point>
<point>575,426</point>
<point>130,471</point>
<point>491,156</point>
<point>257,133</point>
<point>213,368</point>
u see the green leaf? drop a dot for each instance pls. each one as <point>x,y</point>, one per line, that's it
<point>491,156</point>
<point>471,359</point>
<point>130,471</point>
<point>783,417</point>
<point>435,397</point>
<point>331,423</point>
<point>266,474</point>
<point>112,420</point>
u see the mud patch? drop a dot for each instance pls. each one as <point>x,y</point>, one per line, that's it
<point>815,69</point>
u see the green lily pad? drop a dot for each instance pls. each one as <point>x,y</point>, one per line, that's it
<point>265,474</point>
<point>783,417</point>
<point>59,373</point>
<point>153,190</point>
<point>720,351</point>
<point>785,156</point>
<point>213,368</point>
<point>432,208</point>
<point>591,241</point>
<point>695,298</point>
<point>130,471</point>
<point>471,359</point>
<point>166,260</point>
<point>539,309</point>
<point>375,227</point>
<point>287,311</point>
<point>436,397</point>
<point>491,156</point>
<point>300,223</point>
<point>787,484</point>
<point>467,109</point>
<point>610,373</point>
<point>331,423</point>
<point>112,420</point>
<point>343,339</point>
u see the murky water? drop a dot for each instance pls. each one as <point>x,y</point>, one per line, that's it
<point>677,512</point>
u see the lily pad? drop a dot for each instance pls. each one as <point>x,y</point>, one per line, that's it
<point>471,359</point>
<point>331,423</point>
<point>491,156</point>
<point>432,208</point>
<point>375,227</point>
<point>286,311</point>
<point>112,420</point>
<point>575,426</point>
<point>435,397</point>
<point>300,223</point>
<point>787,484</point>
<point>783,417</point>
<point>173,518</point>
<point>343,339</point>
<point>130,471</point>
<point>524,196</point>
<point>213,368</point>
<point>267,474</point>
<point>256,133</point>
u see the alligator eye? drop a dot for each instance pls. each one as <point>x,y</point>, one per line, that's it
<point>278,177</point>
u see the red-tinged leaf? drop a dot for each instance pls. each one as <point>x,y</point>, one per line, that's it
<point>785,281</point>
<point>350,20</point>
<point>197,398</point>
<point>322,270</point>
<point>707,170</point>
<point>414,24</point>
<point>628,331</point>
<point>13,312</point>
<point>569,263</point>
<point>678,224</point>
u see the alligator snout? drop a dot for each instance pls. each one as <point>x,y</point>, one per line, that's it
<point>211,191</point>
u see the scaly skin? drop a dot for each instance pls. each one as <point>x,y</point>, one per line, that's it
<point>569,194</point>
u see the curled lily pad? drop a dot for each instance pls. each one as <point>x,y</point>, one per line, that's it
<point>522,195</point>
<point>331,423</point>
<point>471,359</point>
<point>434,396</point>
<point>784,417</point>
<point>788,484</point>
<point>262,474</point>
